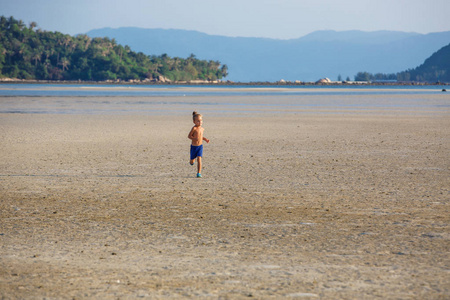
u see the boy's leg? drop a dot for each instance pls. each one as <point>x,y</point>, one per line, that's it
<point>199,164</point>
<point>192,156</point>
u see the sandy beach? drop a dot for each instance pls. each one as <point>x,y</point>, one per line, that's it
<point>310,204</point>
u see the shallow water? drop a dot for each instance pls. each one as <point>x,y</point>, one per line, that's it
<point>163,100</point>
<point>48,90</point>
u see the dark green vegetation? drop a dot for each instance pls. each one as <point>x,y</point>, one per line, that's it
<point>317,55</point>
<point>436,68</point>
<point>30,53</point>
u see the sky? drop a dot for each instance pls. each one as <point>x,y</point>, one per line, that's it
<point>278,19</point>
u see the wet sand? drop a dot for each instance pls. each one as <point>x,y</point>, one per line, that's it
<point>346,205</point>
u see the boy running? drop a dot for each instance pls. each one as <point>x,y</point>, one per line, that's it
<point>196,135</point>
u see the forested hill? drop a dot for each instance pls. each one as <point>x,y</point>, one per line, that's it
<point>30,53</point>
<point>436,68</point>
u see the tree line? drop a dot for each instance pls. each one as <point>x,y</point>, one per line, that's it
<point>436,68</point>
<point>27,52</point>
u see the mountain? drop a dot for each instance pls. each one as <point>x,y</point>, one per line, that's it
<point>436,68</point>
<point>317,55</point>
<point>357,37</point>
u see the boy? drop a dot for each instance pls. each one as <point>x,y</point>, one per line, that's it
<point>196,135</point>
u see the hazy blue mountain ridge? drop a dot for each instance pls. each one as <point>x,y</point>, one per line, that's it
<point>316,55</point>
<point>356,36</point>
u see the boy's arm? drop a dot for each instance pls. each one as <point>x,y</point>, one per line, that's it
<point>206,140</point>
<point>191,134</point>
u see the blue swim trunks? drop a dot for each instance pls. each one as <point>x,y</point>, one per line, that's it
<point>196,151</point>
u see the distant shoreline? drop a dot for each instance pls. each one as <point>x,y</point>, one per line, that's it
<point>222,83</point>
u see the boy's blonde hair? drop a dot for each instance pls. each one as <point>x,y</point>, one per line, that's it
<point>195,115</point>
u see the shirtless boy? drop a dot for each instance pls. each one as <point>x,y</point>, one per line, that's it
<point>196,135</point>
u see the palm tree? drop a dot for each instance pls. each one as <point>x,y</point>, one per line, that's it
<point>36,55</point>
<point>11,21</point>
<point>21,24</point>
<point>47,63</point>
<point>3,22</point>
<point>33,25</point>
<point>224,70</point>
<point>64,63</point>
